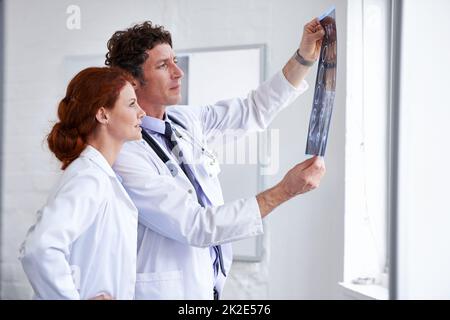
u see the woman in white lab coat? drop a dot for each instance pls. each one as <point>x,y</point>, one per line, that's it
<point>83,244</point>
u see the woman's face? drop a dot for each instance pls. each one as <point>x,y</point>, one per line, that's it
<point>125,117</point>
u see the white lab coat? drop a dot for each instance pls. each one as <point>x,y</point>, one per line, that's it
<point>84,241</point>
<point>175,232</point>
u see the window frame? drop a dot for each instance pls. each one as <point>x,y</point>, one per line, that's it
<point>361,57</point>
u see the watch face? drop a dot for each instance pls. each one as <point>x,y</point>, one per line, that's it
<point>324,92</point>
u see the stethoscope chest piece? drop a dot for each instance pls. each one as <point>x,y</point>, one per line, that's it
<point>173,168</point>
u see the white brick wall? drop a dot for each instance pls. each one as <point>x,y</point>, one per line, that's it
<point>37,41</point>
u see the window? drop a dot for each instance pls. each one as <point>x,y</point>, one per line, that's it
<point>367,142</point>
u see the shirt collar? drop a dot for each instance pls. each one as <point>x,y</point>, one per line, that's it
<point>155,124</point>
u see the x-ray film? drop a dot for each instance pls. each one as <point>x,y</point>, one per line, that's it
<point>324,92</point>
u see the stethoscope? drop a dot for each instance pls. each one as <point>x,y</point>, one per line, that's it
<point>194,142</point>
<point>171,164</point>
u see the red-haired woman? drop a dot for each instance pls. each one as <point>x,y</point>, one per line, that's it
<point>84,242</point>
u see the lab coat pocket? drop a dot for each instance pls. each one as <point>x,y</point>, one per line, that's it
<point>160,285</point>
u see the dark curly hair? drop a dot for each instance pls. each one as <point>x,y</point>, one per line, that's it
<point>127,48</point>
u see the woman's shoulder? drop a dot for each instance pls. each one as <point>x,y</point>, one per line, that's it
<point>83,169</point>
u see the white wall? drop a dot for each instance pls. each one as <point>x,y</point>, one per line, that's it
<point>424,214</point>
<point>303,255</point>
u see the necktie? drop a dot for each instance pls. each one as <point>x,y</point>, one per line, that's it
<point>173,145</point>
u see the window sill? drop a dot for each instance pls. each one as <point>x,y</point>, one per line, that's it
<point>364,292</point>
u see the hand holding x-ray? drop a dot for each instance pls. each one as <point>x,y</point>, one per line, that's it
<point>311,40</point>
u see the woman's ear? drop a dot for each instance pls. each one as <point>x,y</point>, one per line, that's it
<point>102,115</point>
<point>136,85</point>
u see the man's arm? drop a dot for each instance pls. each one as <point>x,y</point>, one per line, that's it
<point>309,49</point>
<point>167,206</point>
<point>255,113</point>
<point>305,176</point>
<point>302,178</point>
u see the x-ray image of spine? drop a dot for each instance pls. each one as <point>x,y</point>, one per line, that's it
<point>324,92</point>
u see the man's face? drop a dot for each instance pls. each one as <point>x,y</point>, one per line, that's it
<point>162,80</point>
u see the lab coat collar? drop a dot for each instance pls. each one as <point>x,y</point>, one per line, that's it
<point>93,154</point>
<point>155,124</point>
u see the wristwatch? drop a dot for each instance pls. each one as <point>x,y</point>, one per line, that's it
<point>302,60</point>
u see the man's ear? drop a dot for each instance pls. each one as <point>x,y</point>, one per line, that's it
<point>102,115</point>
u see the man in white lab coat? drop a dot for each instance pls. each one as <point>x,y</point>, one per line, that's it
<point>185,229</point>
